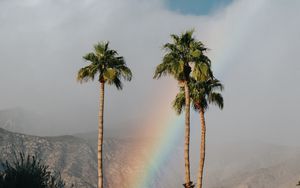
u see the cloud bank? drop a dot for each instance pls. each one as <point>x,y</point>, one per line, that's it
<point>253,44</point>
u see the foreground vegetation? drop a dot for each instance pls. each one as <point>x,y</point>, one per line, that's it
<point>28,171</point>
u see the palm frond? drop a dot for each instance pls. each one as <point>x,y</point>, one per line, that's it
<point>125,73</point>
<point>215,85</point>
<point>91,57</point>
<point>164,68</point>
<point>184,55</point>
<point>105,62</point>
<point>117,82</point>
<point>217,99</point>
<point>85,74</point>
<point>202,68</point>
<point>203,93</point>
<point>179,102</point>
<point>175,38</point>
<point>109,75</point>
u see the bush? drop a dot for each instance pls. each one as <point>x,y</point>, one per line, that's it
<point>28,172</point>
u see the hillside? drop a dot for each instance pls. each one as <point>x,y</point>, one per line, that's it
<point>229,164</point>
<point>72,156</point>
<point>75,158</point>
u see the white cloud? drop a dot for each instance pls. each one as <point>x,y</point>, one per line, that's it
<point>253,46</point>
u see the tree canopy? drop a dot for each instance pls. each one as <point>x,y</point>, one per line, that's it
<point>107,64</point>
<point>202,93</point>
<point>185,55</point>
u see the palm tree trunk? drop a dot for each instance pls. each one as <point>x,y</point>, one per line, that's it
<point>202,149</point>
<point>187,136</point>
<point>100,137</point>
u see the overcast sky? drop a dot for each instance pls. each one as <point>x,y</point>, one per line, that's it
<point>254,47</point>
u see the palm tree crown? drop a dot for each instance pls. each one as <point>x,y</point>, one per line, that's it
<point>184,53</point>
<point>202,93</point>
<point>105,62</point>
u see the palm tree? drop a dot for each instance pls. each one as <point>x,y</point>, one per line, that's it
<point>110,68</point>
<point>202,94</point>
<point>184,56</point>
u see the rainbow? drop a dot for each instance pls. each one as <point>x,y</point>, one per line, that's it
<point>169,126</point>
<point>165,129</point>
<point>168,133</point>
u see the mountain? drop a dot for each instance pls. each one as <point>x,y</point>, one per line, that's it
<point>127,162</point>
<point>75,156</point>
<point>75,159</point>
<point>252,165</point>
<point>260,166</point>
<point>69,155</point>
<point>229,164</point>
<point>283,175</point>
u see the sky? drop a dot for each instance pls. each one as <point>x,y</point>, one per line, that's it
<point>196,7</point>
<point>253,46</point>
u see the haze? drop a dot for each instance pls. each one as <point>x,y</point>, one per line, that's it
<point>253,45</point>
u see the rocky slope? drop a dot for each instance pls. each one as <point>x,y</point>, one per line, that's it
<point>228,164</point>
<point>75,158</point>
<point>257,165</point>
<point>264,166</point>
<point>71,156</point>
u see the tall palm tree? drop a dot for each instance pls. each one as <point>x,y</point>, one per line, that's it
<point>202,94</point>
<point>183,57</point>
<point>110,68</point>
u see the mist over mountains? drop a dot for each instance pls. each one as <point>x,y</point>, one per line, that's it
<point>242,164</point>
<point>28,122</point>
<point>25,121</point>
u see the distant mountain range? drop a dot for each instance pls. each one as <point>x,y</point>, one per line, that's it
<point>229,165</point>
<point>75,158</point>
